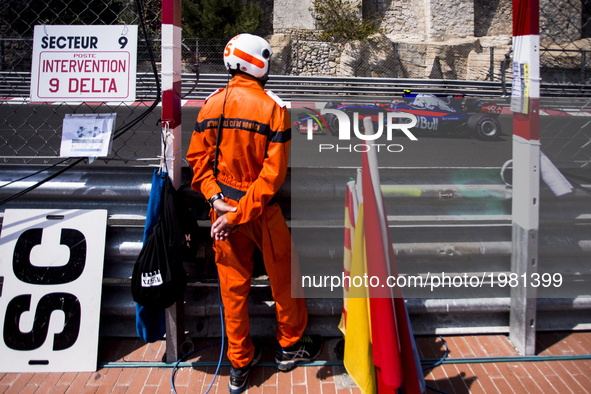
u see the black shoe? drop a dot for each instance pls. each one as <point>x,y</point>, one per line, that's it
<point>304,351</point>
<point>239,376</point>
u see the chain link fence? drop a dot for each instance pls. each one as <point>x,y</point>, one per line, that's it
<point>565,50</point>
<point>30,133</point>
<point>298,55</point>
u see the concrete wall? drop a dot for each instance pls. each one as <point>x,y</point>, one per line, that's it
<point>406,19</point>
<point>493,18</point>
<point>381,57</point>
<point>292,15</point>
<point>450,39</point>
<point>450,19</point>
<point>432,20</point>
<point>444,20</point>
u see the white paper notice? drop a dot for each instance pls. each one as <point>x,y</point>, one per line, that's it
<point>520,88</point>
<point>87,135</point>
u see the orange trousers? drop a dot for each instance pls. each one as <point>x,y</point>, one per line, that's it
<point>234,260</point>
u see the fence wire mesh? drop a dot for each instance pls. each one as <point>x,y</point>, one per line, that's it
<point>565,48</point>
<point>30,133</point>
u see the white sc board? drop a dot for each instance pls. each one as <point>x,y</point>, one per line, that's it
<point>51,270</point>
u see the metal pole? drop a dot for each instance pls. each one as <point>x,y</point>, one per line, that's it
<point>1,53</point>
<point>525,102</point>
<point>171,87</point>
<point>298,56</point>
<point>171,129</point>
<point>396,60</point>
<point>492,64</point>
<point>583,63</point>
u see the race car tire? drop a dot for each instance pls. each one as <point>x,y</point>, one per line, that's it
<point>332,121</point>
<point>486,127</point>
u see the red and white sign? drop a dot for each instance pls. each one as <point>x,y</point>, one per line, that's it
<point>84,63</point>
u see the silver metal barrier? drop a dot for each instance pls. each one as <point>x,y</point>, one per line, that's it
<point>17,84</point>
<point>444,229</point>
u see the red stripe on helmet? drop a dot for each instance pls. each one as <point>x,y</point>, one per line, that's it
<point>248,58</point>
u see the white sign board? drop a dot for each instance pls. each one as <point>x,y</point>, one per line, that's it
<point>520,88</point>
<point>87,135</point>
<point>51,266</point>
<point>84,63</point>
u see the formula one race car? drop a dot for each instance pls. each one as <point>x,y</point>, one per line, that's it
<point>433,113</point>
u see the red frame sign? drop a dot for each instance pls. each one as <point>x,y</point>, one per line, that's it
<point>84,63</point>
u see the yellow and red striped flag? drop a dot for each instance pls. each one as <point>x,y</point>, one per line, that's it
<point>380,353</point>
<point>351,206</point>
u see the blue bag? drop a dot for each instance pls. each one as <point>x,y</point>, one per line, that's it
<point>150,322</point>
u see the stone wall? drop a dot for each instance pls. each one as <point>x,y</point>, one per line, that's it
<point>443,20</point>
<point>433,20</point>
<point>450,19</point>
<point>438,39</point>
<point>315,57</point>
<point>493,18</point>
<point>375,58</point>
<point>555,13</point>
<point>381,57</point>
<point>406,19</point>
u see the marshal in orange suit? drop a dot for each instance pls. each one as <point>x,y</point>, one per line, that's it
<point>251,128</point>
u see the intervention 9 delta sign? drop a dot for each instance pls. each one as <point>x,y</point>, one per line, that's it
<point>84,63</point>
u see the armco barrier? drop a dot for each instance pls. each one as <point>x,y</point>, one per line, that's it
<point>198,87</point>
<point>448,227</point>
<point>17,84</point>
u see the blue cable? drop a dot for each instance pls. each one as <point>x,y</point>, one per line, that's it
<point>186,356</point>
<point>438,363</point>
<point>223,334</point>
<point>205,347</point>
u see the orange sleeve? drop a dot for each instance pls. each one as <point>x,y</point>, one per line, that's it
<point>272,174</point>
<point>201,155</point>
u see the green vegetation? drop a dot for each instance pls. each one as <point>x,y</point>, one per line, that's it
<point>220,18</point>
<point>341,20</point>
<point>201,18</point>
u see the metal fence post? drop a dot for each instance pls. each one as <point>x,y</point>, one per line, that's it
<point>297,70</point>
<point>492,64</point>
<point>396,60</point>
<point>583,64</point>
<point>526,174</point>
<point>171,127</point>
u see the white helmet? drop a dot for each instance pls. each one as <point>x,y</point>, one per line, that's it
<point>249,54</point>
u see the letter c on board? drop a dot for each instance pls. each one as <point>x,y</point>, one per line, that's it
<point>28,273</point>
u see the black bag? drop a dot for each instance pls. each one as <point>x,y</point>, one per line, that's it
<point>186,214</point>
<point>158,278</point>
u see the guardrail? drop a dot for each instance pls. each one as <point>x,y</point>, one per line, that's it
<point>297,88</point>
<point>448,227</point>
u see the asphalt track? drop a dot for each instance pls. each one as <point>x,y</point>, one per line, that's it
<point>40,125</point>
<point>443,149</point>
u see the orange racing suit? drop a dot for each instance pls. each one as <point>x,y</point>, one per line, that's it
<point>253,158</point>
